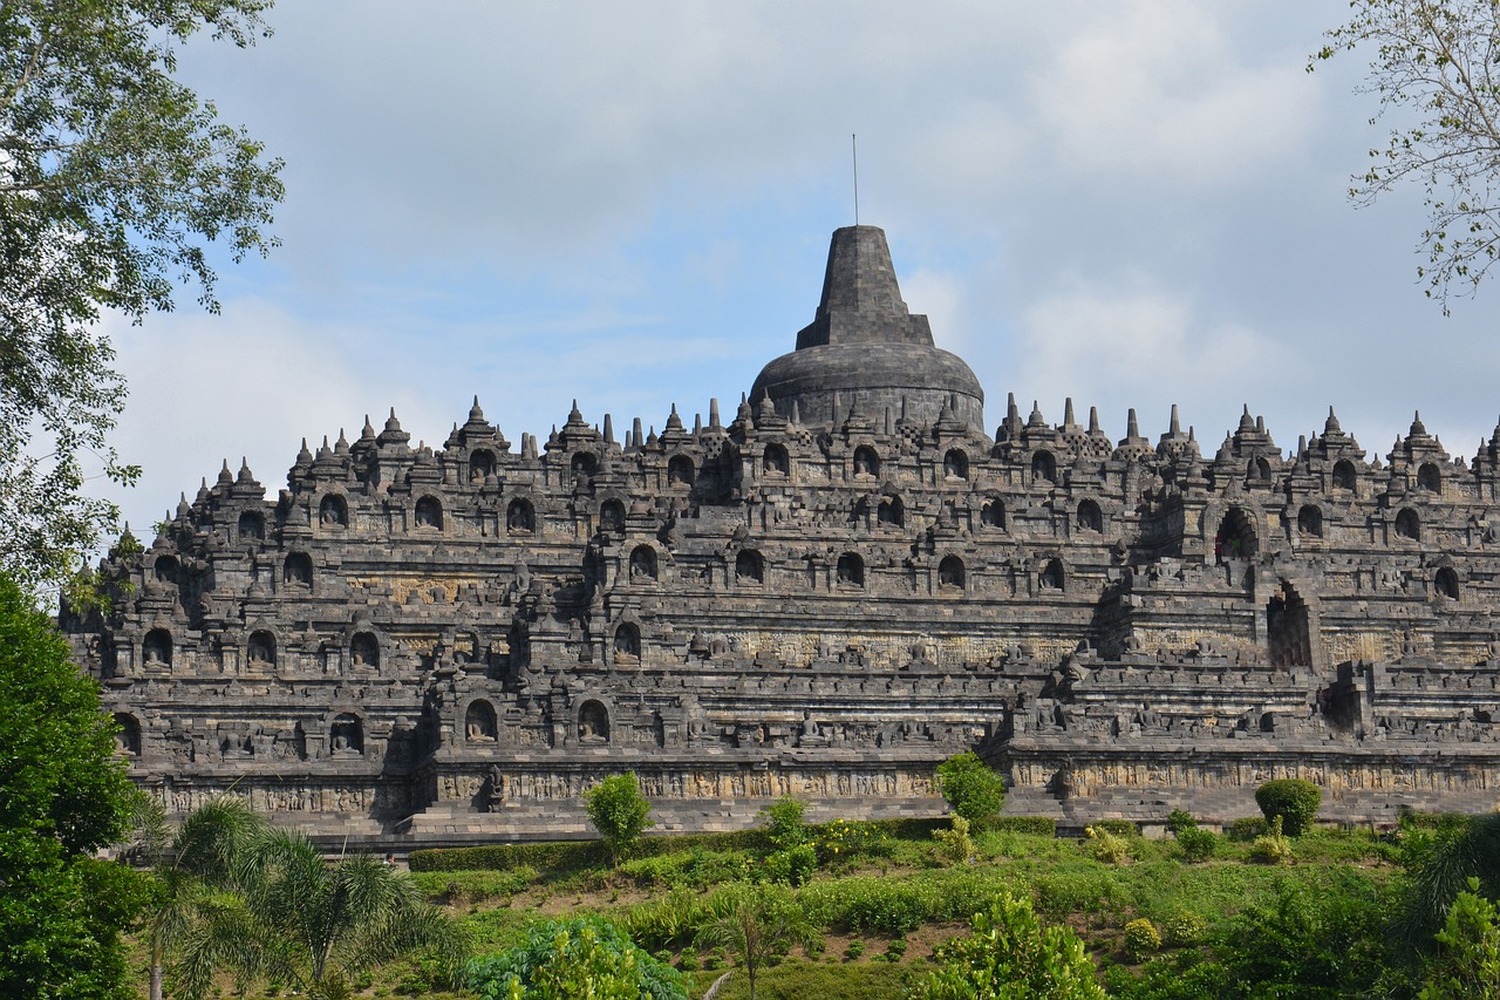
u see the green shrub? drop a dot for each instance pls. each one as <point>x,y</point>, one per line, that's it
<point>1273,847</point>
<point>1119,827</point>
<point>619,811</point>
<point>1110,848</point>
<point>1041,826</point>
<point>1183,929</point>
<point>895,950</point>
<point>1296,801</point>
<point>855,949</point>
<point>563,958</point>
<point>973,789</point>
<point>783,822</point>
<point>1196,844</point>
<point>1179,820</point>
<point>1246,828</point>
<point>1141,939</point>
<point>957,844</point>
<point>793,866</point>
<point>847,840</point>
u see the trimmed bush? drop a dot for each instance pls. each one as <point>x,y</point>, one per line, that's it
<point>1141,939</point>
<point>973,789</point>
<point>1296,801</point>
<point>1196,844</point>
<point>1183,929</point>
<point>1179,820</point>
<point>1040,826</point>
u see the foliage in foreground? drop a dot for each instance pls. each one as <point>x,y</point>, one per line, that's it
<point>565,959</point>
<point>1011,955</point>
<point>63,795</point>
<point>115,178</point>
<point>1432,65</point>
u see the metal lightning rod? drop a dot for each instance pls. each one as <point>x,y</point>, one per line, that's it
<point>854,151</point>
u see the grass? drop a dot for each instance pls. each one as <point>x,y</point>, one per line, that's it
<point>882,907</point>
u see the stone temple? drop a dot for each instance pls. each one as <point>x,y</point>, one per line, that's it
<point>824,596</point>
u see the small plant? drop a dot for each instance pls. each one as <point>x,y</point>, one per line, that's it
<point>1246,828</point>
<point>1110,848</point>
<point>1196,844</point>
<point>1273,847</point>
<point>855,949</point>
<point>1183,929</point>
<point>618,811</point>
<point>957,844</point>
<point>974,790</point>
<point>1141,939</point>
<point>895,950</point>
<point>793,865</point>
<point>688,961</point>
<point>1179,820</point>
<point>1294,800</point>
<point>784,825</point>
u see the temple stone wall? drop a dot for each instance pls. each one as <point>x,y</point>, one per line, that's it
<point>415,643</point>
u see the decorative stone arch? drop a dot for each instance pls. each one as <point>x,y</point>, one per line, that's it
<point>128,735</point>
<point>643,563</point>
<point>866,462</point>
<point>951,575</point>
<point>627,643</point>
<point>428,513</point>
<point>1345,476</point>
<point>850,571</point>
<point>1044,467</point>
<point>612,516</point>
<point>260,647</point>
<point>775,461</point>
<point>749,567</point>
<point>1235,535</point>
<point>1053,576</point>
<point>520,516</point>
<point>592,723</point>
<point>251,526</point>
<point>333,511</point>
<point>483,463</point>
<point>1310,521</point>
<point>156,649</point>
<point>992,514</point>
<point>1291,626</point>
<point>584,463</point>
<point>364,650</point>
<point>890,511</point>
<point>1430,477</point>
<point>346,734</point>
<point>1445,583</point>
<point>1090,517</point>
<point>297,569</point>
<point>481,724</point>
<point>1258,470</point>
<point>1408,524</point>
<point>955,464</point>
<point>166,569</point>
<point>681,471</point>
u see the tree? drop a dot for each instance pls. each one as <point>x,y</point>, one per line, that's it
<point>583,957</point>
<point>757,922</point>
<point>315,924</point>
<point>973,789</point>
<point>618,811</point>
<point>1011,955</point>
<point>194,911</point>
<point>63,795</point>
<point>1435,61</point>
<point>114,179</point>
<point>1439,865</point>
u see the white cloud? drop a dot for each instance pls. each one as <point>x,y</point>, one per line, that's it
<point>1156,88</point>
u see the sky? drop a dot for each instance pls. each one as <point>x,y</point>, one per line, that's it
<point>1134,204</point>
